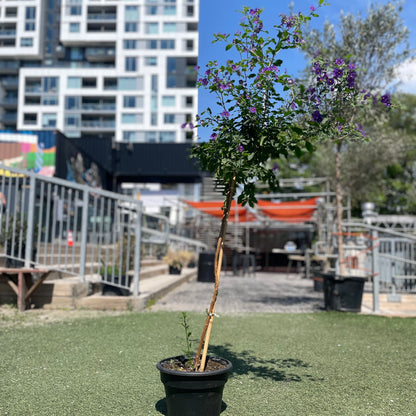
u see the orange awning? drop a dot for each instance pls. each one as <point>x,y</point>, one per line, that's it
<point>215,208</point>
<point>293,211</point>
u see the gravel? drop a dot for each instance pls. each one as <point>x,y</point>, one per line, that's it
<point>264,292</point>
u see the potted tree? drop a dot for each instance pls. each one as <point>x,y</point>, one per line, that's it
<point>337,106</point>
<point>254,124</point>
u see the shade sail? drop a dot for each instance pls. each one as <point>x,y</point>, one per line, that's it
<point>241,214</point>
<point>292,212</point>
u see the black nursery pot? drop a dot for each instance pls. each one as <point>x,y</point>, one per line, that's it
<point>343,294</point>
<point>194,393</point>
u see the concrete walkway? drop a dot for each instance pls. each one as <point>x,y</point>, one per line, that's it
<point>268,292</point>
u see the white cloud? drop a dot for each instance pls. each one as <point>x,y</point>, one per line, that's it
<point>405,74</point>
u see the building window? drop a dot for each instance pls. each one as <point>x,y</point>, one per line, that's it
<point>130,63</point>
<point>26,42</point>
<point>189,101</point>
<point>128,119</point>
<point>189,44</point>
<point>75,10</point>
<point>133,136</point>
<point>50,100</point>
<point>130,44</point>
<point>130,27</point>
<point>132,101</point>
<point>74,27</point>
<point>49,120</point>
<point>51,84</point>
<point>74,82</point>
<point>169,10</point>
<point>168,101</point>
<point>131,14</point>
<point>11,11</point>
<point>169,118</point>
<point>110,83</point>
<point>167,136</point>
<point>30,119</point>
<point>130,83</point>
<point>167,44</point>
<point>189,11</point>
<point>72,121</point>
<point>150,60</point>
<point>152,28</point>
<point>151,10</point>
<point>169,27</point>
<point>30,13</point>
<point>72,103</point>
<point>29,26</point>
<point>89,82</point>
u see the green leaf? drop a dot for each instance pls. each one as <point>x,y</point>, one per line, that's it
<point>229,46</point>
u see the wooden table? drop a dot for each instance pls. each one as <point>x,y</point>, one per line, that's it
<point>24,288</point>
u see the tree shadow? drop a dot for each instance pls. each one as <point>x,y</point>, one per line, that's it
<point>245,362</point>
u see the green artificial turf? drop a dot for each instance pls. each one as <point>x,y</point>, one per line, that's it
<point>284,364</point>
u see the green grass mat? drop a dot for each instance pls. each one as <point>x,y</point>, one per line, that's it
<point>284,364</point>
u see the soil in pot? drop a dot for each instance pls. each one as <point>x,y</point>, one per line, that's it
<point>190,393</point>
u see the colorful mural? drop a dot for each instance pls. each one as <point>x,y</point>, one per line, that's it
<point>31,150</point>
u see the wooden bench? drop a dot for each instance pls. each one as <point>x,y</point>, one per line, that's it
<point>24,287</point>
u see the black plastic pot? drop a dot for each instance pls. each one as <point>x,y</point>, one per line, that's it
<point>318,283</point>
<point>174,270</point>
<point>343,294</point>
<point>194,393</point>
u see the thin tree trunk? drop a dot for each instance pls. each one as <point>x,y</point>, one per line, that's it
<point>338,192</point>
<point>206,332</point>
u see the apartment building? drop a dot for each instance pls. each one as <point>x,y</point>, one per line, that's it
<point>115,69</point>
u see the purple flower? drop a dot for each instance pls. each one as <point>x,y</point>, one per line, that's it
<point>191,125</point>
<point>337,72</point>
<point>385,99</point>
<point>290,81</point>
<point>225,114</point>
<point>312,8</point>
<point>292,104</point>
<point>213,136</point>
<point>339,61</point>
<point>183,125</point>
<point>339,127</point>
<point>253,110</point>
<point>240,148</point>
<point>316,116</point>
<point>352,65</point>
<point>330,81</point>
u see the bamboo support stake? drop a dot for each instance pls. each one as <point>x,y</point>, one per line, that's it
<point>206,332</point>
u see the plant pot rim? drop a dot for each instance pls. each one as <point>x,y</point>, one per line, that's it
<point>228,367</point>
<point>338,278</point>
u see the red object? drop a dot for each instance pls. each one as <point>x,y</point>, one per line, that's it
<point>70,241</point>
<point>215,208</point>
<point>293,211</point>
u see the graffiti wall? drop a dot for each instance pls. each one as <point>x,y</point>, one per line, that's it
<point>29,150</point>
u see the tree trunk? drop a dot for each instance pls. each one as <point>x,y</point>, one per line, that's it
<point>338,192</point>
<point>206,332</point>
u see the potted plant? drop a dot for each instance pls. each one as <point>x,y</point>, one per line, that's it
<point>254,124</point>
<point>177,260</point>
<point>336,104</point>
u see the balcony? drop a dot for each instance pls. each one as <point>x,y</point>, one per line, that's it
<point>97,107</point>
<point>98,124</point>
<point>100,54</point>
<point>9,102</point>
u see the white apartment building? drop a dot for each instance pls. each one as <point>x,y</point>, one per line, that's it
<point>119,69</point>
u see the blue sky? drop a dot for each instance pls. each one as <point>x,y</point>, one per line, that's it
<point>222,16</point>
